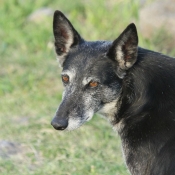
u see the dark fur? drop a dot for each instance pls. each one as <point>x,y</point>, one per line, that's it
<point>148,110</point>
<point>147,100</point>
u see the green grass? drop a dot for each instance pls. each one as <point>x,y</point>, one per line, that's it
<point>30,89</point>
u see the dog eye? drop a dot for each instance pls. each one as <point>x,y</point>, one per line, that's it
<point>65,79</point>
<point>93,84</point>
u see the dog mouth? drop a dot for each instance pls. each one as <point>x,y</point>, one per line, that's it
<point>71,123</point>
<point>76,123</point>
<point>88,118</point>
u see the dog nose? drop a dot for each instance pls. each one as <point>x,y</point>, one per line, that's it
<point>59,124</point>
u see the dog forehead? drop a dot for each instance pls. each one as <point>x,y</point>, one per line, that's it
<point>89,66</point>
<point>86,56</point>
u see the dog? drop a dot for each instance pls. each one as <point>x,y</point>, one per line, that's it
<point>134,88</point>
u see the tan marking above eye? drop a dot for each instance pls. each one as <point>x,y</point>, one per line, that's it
<point>93,84</point>
<point>65,78</point>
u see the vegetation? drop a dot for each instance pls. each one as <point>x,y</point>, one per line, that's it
<point>30,90</point>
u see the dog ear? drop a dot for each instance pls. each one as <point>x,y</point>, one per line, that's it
<point>124,50</point>
<point>65,36</point>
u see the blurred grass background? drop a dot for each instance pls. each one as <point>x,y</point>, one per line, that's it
<point>30,89</point>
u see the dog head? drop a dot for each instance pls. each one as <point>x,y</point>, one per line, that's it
<point>92,73</point>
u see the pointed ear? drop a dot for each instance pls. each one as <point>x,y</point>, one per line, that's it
<point>124,50</point>
<point>65,36</point>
